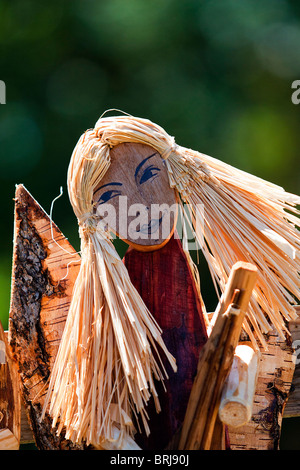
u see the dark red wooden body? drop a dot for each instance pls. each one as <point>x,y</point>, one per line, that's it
<point>165,283</point>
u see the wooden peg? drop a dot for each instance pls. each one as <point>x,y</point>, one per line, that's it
<point>238,392</point>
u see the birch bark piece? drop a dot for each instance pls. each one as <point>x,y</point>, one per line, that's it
<point>39,306</point>
<point>275,374</point>
<point>292,408</point>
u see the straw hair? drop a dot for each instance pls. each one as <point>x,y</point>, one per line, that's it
<point>107,362</point>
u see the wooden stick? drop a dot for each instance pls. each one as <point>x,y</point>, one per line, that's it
<point>218,440</point>
<point>10,401</point>
<point>238,392</point>
<point>216,359</point>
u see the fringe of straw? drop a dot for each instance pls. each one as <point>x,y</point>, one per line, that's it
<point>245,218</point>
<point>105,365</point>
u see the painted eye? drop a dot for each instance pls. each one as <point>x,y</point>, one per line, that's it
<point>108,195</point>
<point>149,173</point>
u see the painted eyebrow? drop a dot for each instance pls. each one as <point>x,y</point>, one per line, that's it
<point>142,163</point>
<point>108,184</point>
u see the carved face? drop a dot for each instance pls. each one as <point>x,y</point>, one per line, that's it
<point>134,198</point>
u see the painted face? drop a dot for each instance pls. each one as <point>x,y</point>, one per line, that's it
<point>134,199</point>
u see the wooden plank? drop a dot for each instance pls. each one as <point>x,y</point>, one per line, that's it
<point>215,361</point>
<point>10,402</point>
<point>40,298</point>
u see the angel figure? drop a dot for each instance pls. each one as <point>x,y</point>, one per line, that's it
<point>128,354</point>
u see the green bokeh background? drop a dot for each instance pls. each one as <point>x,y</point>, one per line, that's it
<point>216,74</point>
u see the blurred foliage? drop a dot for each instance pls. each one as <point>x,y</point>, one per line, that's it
<point>216,74</point>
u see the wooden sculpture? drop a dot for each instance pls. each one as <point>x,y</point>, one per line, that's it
<point>116,354</point>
